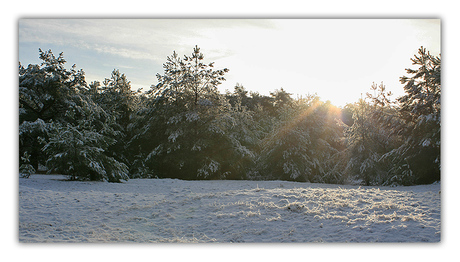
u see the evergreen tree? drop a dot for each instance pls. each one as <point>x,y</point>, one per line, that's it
<point>192,130</point>
<point>46,92</point>
<point>370,137</point>
<point>32,137</point>
<point>327,135</point>
<point>26,169</point>
<point>60,124</point>
<point>418,159</point>
<point>302,142</point>
<point>184,128</point>
<point>79,150</point>
<point>117,97</point>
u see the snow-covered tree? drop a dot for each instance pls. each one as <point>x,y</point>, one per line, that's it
<point>370,136</point>
<point>117,97</point>
<point>61,125</point>
<point>25,168</point>
<point>418,159</point>
<point>364,145</point>
<point>46,92</point>
<point>302,142</point>
<point>33,135</point>
<point>188,81</point>
<point>79,150</point>
<point>189,129</point>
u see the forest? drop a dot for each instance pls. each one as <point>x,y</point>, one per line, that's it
<point>184,128</point>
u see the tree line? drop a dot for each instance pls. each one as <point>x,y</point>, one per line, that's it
<point>183,127</point>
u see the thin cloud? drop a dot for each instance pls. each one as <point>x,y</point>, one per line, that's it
<point>131,38</point>
<point>338,59</point>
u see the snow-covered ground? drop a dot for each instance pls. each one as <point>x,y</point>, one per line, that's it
<point>168,210</point>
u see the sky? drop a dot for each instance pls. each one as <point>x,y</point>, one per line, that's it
<point>338,59</point>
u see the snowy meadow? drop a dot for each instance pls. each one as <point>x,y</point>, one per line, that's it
<point>54,210</point>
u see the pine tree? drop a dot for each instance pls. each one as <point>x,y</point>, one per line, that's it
<point>26,169</point>
<point>327,143</point>
<point>117,97</point>
<point>61,125</point>
<point>418,158</point>
<point>33,135</point>
<point>193,131</point>
<point>302,141</point>
<point>79,150</point>
<point>46,92</point>
<point>370,137</point>
<point>285,150</point>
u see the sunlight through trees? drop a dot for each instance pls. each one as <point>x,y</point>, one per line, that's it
<point>184,128</point>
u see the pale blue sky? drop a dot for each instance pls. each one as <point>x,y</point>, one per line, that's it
<point>337,59</point>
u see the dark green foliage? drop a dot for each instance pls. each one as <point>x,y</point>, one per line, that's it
<point>61,126</point>
<point>192,131</point>
<point>184,128</point>
<point>398,143</point>
<point>32,137</point>
<point>79,153</point>
<point>369,138</point>
<point>303,141</point>
<point>117,97</point>
<point>46,92</point>
<point>25,168</point>
<point>419,157</point>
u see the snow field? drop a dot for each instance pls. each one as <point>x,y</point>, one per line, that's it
<point>169,210</point>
